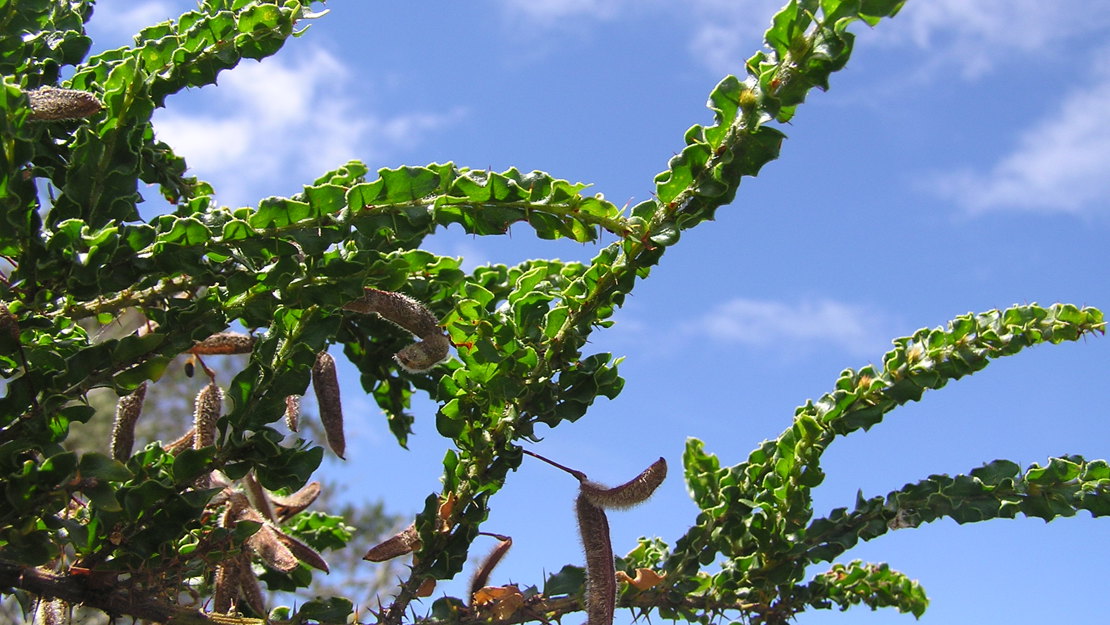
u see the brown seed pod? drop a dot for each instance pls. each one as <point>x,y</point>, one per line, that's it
<point>292,411</point>
<point>399,544</point>
<point>225,585</point>
<point>325,382</point>
<point>128,410</point>
<point>303,552</point>
<point>51,612</point>
<point>630,493</point>
<point>224,343</point>
<point>8,323</point>
<point>206,411</point>
<point>481,576</point>
<point>258,496</point>
<point>601,575</point>
<point>286,507</point>
<point>181,444</point>
<point>408,314</point>
<point>52,103</point>
<point>248,584</point>
<point>266,544</point>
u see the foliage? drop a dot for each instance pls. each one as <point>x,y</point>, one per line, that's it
<point>289,269</point>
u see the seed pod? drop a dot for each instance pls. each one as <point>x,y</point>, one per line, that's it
<point>325,383</point>
<point>292,411</point>
<point>224,343</point>
<point>225,585</point>
<point>9,325</point>
<point>408,314</point>
<point>630,493</point>
<point>286,507</point>
<point>248,584</point>
<point>51,612</point>
<point>181,444</point>
<point>481,577</point>
<point>207,408</point>
<point>52,103</point>
<point>123,430</point>
<point>266,544</point>
<point>399,544</point>
<point>258,497</point>
<point>303,552</point>
<point>601,575</point>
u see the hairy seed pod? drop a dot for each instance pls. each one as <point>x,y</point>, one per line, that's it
<point>224,343</point>
<point>601,574</point>
<point>181,444</point>
<point>286,507</point>
<point>123,429</point>
<point>292,411</point>
<point>266,544</point>
<point>399,544</point>
<point>325,382</point>
<point>206,410</point>
<point>258,497</point>
<point>413,316</point>
<point>248,584</point>
<point>51,612</point>
<point>481,576</point>
<point>225,585</point>
<point>303,552</point>
<point>52,103</point>
<point>630,493</point>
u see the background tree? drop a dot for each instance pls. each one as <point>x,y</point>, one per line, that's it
<point>153,533</point>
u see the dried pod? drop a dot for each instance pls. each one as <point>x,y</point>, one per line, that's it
<point>248,584</point>
<point>225,585</point>
<point>481,576</point>
<point>399,544</point>
<point>266,544</point>
<point>224,343</point>
<point>181,444</point>
<point>123,430</point>
<point>52,103</point>
<point>206,410</point>
<point>601,575</point>
<point>303,552</point>
<point>630,493</point>
<point>426,588</point>
<point>286,507</point>
<point>408,314</point>
<point>258,496</point>
<point>292,411</point>
<point>51,612</point>
<point>500,602</point>
<point>325,382</point>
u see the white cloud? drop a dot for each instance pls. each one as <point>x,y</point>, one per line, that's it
<point>115,22</point>
<point>795,327</point>
<point>275,125</point>
<point>976,36</point>
<point>551,10</point>
<point>1059,164</point>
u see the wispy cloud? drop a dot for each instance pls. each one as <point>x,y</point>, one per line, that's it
<point>1058,165</point>
<point>795,327</point>
<point>272,126</point>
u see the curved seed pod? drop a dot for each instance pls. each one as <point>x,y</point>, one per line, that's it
<point>248,583</point>
<point>207,408</point>
<point>325,382</point>
<point>224,343</point>
<point>128,410</point>
<point>225,585</point>
<point>630,493</point>
<point>266,544</point>
<point>399,544</point>
<point>181,444</point>
<point>292,412</point>
<point>481,576</point>
<point>408,314</point>
<point>52,103</point>
<point>303,552</point>
<point>258,497</point>
<point>601,574</point>
<point>286,507</point>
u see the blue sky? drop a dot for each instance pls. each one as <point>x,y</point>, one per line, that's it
<point>961,162</point>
